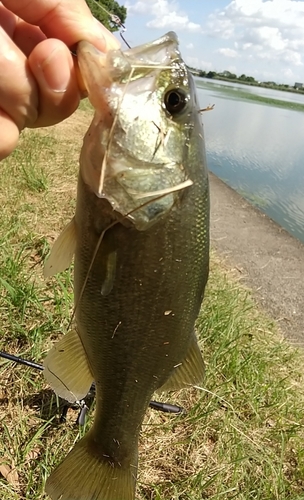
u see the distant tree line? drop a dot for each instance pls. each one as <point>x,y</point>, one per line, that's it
<point>245,79</point>
<point>101,8</point>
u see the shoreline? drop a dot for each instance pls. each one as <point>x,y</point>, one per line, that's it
<point>254,84</point>
<point>266,257</point>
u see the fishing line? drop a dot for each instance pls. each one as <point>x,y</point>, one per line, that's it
<point>115,20</point>
<point>81,405</point>
<point>179,187</point>
<point>89,270</point>
<point>165,407</point>
<point>111,135</point>
<point>162,194</point>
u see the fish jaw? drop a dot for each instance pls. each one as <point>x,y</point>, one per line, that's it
<point>135,152</point>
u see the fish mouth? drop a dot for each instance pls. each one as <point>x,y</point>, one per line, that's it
<point>98,70</point>
<point>134,154</point>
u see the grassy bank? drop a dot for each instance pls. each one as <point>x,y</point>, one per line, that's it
<point>242,436</point>
<point>237,93</point>
<point>279,87</point>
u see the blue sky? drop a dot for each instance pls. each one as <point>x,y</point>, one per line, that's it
<point>261,38</point>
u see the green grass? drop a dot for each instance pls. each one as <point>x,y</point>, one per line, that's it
<point>243,435</point>
<point>296,106</point>
<point>237,93</point>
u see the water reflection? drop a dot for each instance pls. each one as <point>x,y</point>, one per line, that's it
<point>258,150</point>
<point>222,86</point>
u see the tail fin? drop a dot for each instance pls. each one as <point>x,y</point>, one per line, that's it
<point>87,474</point>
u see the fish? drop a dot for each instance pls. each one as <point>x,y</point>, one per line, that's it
<point>140,241</point>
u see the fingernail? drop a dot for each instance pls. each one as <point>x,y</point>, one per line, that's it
<point>55,70</point>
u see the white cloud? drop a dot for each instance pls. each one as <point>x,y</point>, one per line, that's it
<point>227,52</point>
<point>270,30</point>
<point>289,74</point>
<point>158,6</point>
<point>189,46</point>
<point>195,62</point>
<point>173,21</point>
<point>232,69</point>
<point>165,14</point>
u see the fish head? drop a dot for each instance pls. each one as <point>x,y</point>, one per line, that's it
<point>136,151</point>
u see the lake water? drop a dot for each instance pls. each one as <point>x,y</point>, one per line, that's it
<point>257,148</point>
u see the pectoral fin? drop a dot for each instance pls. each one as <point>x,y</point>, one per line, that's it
<point>190,371</point>
<point>62,252</point>
<point>67,370</point>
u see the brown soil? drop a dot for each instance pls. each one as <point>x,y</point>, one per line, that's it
<point>268,259</point>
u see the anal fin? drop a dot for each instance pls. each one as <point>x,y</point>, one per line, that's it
<point>190,371</point>
<point>67,370</point>
<point>62,251</point>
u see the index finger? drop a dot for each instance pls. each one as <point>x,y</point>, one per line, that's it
<point>67,20</point>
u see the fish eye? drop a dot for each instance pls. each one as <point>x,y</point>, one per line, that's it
<point>175,101</point>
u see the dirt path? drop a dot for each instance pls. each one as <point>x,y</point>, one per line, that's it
<point>268,259</point>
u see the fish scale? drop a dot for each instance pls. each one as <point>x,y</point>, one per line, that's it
<point>140,267</point>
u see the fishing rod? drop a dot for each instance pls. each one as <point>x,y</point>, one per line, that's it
<point>81,405</point>
<point>114,20</point>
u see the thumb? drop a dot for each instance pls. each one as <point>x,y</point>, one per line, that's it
<point>67,20</point>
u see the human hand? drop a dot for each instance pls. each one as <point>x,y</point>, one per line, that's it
<point>38,84</point>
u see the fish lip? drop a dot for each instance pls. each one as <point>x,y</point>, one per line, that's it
<point>167,38</point>
<point>160,53</point>
<point>163,174</point>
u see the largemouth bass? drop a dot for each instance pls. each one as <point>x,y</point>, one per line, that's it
<point>141,240</point>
